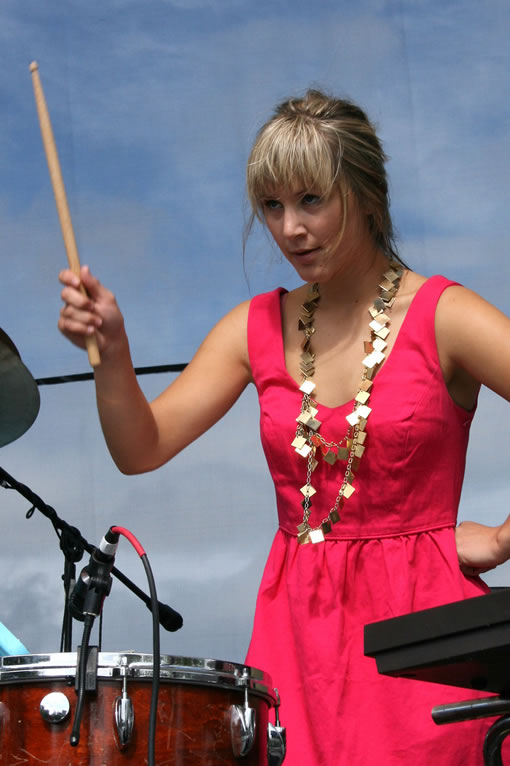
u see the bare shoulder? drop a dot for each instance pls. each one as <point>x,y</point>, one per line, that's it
<point>465,319</point>
<point>453,300</point>
<point>231,333</point>
<point>241,312</point>
<point>473,336</point>
<point>234,322</point>
<point>457,304</point>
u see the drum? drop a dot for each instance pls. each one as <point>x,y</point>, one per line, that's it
<point>210,712</point>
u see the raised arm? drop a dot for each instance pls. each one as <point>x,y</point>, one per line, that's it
<point>143,435</point>
<point>473,341</point>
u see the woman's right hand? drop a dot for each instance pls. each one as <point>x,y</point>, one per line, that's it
<point>96,312</point>
<point>140,435</point>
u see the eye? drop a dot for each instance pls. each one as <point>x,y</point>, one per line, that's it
<point>311,199</point>
<point>271,204</point>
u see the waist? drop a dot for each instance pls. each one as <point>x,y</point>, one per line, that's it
<point>348,532</point>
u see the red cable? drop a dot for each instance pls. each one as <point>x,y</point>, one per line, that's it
<point>132,539</point>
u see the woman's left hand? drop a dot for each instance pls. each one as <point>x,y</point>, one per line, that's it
<point>481,548</point>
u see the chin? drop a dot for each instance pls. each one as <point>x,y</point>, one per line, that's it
<point>304,270</point>
<point>320,275</point>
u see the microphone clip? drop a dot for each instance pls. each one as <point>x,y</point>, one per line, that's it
<point>95,581</point>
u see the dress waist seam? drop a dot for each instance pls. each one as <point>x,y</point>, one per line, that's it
<point>330,537</point>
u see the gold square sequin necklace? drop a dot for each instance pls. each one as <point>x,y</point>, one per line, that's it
<point>308,441</point>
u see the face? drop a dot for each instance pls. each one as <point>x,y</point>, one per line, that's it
<point>306,228</point>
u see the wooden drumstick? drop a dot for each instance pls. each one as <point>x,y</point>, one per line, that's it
<point>60,196</point>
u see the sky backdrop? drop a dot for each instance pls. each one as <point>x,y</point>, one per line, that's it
<point>155,104</point>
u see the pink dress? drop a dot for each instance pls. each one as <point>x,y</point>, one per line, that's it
<point>392,552</point>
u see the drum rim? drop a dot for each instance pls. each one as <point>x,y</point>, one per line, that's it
<point>137,666</point>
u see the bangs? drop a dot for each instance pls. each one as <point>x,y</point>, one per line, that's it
<point>292,154</point>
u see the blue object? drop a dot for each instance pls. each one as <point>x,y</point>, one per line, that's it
<point>9,644</point>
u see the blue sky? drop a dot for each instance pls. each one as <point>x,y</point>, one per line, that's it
<point>154,107</point>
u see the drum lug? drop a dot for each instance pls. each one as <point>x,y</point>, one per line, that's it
<point>276,744</point>
<point>276,738</point>
<point>54,707</point>
<point>124,716</point>
<point>242,727</point>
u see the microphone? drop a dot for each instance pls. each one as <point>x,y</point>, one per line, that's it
<point>169,619</point>
<point>95,580</point>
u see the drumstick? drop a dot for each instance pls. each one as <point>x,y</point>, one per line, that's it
<point>60,196</point>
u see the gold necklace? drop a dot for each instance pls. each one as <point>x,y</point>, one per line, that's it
<point>308,442</point>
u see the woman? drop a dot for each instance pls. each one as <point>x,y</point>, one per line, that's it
<point>364,426</point>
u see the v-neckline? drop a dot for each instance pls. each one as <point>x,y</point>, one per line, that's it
<point>350,402</point>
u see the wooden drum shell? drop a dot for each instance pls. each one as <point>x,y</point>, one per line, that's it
<point>193,721</point>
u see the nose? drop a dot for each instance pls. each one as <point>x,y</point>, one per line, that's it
<point>293,224</point>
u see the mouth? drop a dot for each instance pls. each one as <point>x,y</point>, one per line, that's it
<point>304,252</point>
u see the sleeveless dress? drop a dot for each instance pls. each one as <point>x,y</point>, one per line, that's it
<point>392,552</point>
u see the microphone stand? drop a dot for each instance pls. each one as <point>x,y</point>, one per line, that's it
<point>73,544</point>
<point>69,580</point>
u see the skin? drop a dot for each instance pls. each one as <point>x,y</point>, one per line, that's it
<point>143,435</point>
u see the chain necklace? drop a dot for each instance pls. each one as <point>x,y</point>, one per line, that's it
<point>308,442</point>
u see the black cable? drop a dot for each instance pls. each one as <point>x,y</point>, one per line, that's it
<point>151,370</point>
<point>69,579</point>
<point>156,656</point>
<point>100,632</point>
<point>156,661</point>
<point>82,675</point>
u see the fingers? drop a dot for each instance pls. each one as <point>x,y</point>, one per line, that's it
<point>84,292</point>
<point>80,315</point>
<point>89,308</point>
<point>82,319</point>
<point>470,571</point>
<point>92,285</point>
<point>76,325</point>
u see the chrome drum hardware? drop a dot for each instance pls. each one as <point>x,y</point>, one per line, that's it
<point>242,727</point>
<point>209,711</point>
<point>276,738</point>
<point>124,716</point>
<point>54,707</point>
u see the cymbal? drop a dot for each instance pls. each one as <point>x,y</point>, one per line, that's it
<point>19,394</point>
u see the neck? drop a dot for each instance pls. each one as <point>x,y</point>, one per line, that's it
<point>357,282</point>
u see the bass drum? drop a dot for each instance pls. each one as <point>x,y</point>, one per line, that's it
<point>210,712</point>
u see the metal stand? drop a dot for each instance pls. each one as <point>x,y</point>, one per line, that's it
<point>470,710</point>
<point>73,544</point>
<point>73,552</point>
<point>494,740</point>
<point>462,644</point>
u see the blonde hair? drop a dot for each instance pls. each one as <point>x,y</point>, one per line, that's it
<point>320,144</point>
